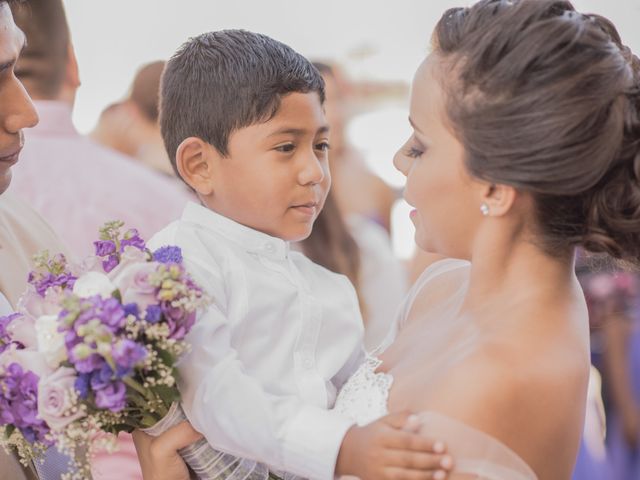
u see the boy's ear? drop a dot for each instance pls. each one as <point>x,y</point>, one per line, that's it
<point>194,161</point>
<point>499,198</point>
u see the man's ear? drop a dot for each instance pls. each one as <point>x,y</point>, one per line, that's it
<point>195,159</point>
<point>72,73</point>
<point>499,198</point>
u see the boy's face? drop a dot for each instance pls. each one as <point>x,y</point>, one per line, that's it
<point>276,176</point>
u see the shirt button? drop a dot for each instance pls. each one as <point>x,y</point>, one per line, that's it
<point>269,248</point>
<point>307,363</point>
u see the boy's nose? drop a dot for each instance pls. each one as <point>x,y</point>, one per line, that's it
<point>313,171</point>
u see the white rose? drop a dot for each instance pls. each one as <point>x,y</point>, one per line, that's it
<point>50,340</point>
<point>93,283</point>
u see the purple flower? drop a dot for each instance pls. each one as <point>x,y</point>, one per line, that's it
<point>19,403</point>
<point>104,247</point>
<point>168,254</point>
<point>131,309</point>
<point>101,378</point>
<point>154,314</point>
<point>178,319</point>
<point>110,263</point>
<point>132,238</point>
<point>82,384</point>
<point>111,313</point>
<point>88,364</point>
<point>127,354</point>
<point>112,397</point>
<point>5,338</point>
<point>42,281</point>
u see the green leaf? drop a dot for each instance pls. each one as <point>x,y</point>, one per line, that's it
<point>166,357</point>
<point>9,431</point>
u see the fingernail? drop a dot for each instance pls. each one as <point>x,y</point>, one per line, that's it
<point>439,475</point>
<point>446,462</point>
<point>438,447</point>
<point>412,419</point>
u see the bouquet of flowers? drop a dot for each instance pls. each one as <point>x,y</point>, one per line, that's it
<point>93,347</point>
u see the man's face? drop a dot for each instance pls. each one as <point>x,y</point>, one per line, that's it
<point>275,178</point>
<point>16,110</point>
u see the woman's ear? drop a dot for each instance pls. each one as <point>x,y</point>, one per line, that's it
<point>194,161</point>
<point>499,199</point>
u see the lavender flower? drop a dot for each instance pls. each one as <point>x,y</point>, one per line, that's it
<point>112,397</point>
<point>168,254</point>
<point>178,319</point>
<point>5,338</point>
<point>110,263</point>
<point>132,238</point>
<point>101,378</point>
<point>127,354</point>
<point>19,403</point>
<point>104,247</point>
<point>153,314</point>
<point>82,385</point>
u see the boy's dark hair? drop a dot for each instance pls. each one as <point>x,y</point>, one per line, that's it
<point>222,81</point>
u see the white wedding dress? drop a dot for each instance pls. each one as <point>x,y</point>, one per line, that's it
<point>364,396</point>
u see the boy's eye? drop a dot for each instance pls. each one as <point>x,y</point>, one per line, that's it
<point>286,148</point>
<point>324,146</point>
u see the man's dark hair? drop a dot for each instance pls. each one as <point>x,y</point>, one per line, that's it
<point>43,62</point>
<point>222,81</point>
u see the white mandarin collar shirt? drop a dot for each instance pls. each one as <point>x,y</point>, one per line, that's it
<point>251,240</point>
<point>269,355</point>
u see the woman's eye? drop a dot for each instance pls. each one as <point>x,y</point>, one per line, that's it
<point>286,148</point>
<point>324,146</point>
<point>413,152</point>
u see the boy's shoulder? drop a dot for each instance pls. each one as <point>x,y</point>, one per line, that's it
<point>194,241</point>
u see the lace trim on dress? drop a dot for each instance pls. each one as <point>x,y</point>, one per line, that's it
<point>364,397</point>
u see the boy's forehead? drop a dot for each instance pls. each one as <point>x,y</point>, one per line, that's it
<point>299,111</point>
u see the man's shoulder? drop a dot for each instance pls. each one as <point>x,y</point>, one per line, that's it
<point>19,221</point>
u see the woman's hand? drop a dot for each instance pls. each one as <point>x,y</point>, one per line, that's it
<point>158,456</point>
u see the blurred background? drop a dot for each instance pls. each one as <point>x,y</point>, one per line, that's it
<point>378,45</point>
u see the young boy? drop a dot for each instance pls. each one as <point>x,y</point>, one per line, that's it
<point>243,123</point>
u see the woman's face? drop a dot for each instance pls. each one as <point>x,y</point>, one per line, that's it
<point>445,198</point>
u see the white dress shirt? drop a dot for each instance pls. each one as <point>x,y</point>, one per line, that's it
<point>268,356</point>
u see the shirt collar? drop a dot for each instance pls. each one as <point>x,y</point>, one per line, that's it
<point>251,240</point>
<point>55,118</point>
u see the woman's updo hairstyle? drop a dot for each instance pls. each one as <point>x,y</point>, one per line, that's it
<point>546,99</point>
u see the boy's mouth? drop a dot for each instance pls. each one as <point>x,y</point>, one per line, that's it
<point>307,209</point>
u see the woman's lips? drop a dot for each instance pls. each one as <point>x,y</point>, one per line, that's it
<point>11,158</point>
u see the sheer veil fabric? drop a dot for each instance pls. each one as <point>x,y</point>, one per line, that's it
<point>448,339</point>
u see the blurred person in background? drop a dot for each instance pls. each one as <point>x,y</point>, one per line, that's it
<point>350,236</point>
<point>74,183</point>
<point>356,189</point>
<point>131,126</point>
<point>614,307</point>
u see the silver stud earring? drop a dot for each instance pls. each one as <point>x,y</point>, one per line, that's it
<point>484,208</point>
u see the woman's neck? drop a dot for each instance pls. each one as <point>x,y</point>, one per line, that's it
<point>509,268</point>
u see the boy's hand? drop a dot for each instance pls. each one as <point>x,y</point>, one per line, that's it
<point>158,456</point>
<point>390,449</point>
